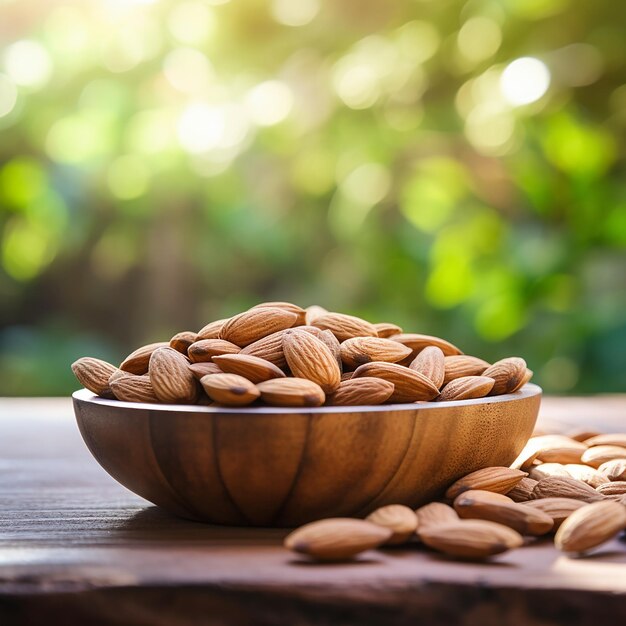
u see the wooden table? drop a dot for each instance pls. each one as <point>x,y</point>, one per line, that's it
<point>77,548</point>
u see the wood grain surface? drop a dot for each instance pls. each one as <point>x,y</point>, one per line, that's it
<point>77,548</point>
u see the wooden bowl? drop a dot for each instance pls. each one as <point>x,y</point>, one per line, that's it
<point>281,467</point>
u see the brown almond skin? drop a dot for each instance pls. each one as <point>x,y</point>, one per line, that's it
<point>336,539</point>
<point>614,488</point>
<point>131,388</point>
<point>418,342</point>
<point>314,311</point>
<point>310,358</point>
<point>229,389</point>
<point>591,526</point>
<point>544,470</point>
<point>345,326</point>
<point>434,513</point>
<point>386,329</point>
<point>471,539</point>
<point>458,365</point>
<point>94,374</point>
<point>597,455</point>
<point>212,329</point>
<point>286,306</point>
<point>269,348</point>
<point>522,492</point>
<point>171,378</point>
<point>508,374</point>
<point>495,479</point>
<point>181,341</point>
<point>476,504</point>
<point>204,369</point>
<point>137,361</point>
<point>559,509</point>
<point>253,368</point>
<point>206,349</point>
<point>431,363</point>
<point>361,391</point>
<point>400,519</point>
<point>615,469</point>
<point>409,386</point>
<point>250,326</point>
<point>466,388</point>
<point>608,439</point>
<point>593,477</point>
<point>359,350</point>
<point>562,450</point>
<point>564,487</point>
<point>291,392</point>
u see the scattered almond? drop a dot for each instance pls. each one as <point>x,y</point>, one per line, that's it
<point>538,472</point>
<point>336,539</point>
<point>586,474</point>
<point>590,526</point>
<point>597,455</point>
<point>614,439</point>
<point>559,509</point>
<point>496,479</point>
<point>612,488</point>
<point>565,487</point>
<point>434,514</point>
<point>522,492</point>
<point>614,469</point>
<point>400,519</point>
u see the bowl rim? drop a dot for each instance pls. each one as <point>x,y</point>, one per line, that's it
<point>84,395</point>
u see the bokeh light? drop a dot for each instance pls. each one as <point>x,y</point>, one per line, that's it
<point>524,80</point>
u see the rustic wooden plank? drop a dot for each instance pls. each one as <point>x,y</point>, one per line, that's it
<point>77,548</point>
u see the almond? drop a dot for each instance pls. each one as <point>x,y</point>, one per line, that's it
<point>559,449</point>
<point>434,514</point>
<point>615,469</point>
<point>206,349</point>
<point>345,326</point>
<point>229,389</point>
<point>212,329</point>
<point>409,386</point>
<point>508,374</point>
<point>291,392</point>
<point>593,477</point>
<point>346,376</point>
<point>399,519</point>
<point>252,325</point>
<point>466,388</point>
<point>459,365</point>
<point>181,341</point>
<point>361,391</point>
<point>386,330</point>
<point>137,361</point>
<point>418,342</point>
<point>582,434</point>
<point>525,379</point>
<point>313,312</point>
<point>590,526</point>
<point>559,509</point>
<point>470,539</point>
<point>612,488</point>
<point>597,455</point>
<point>269,348</point>
<point>336,539</point>
<point>431,363</point>
<point>94,374</point>
<point>496,479</point>
<point>204,369</point>
<point>548,469</point>
<point>286,306</point>
<point>131,388</point>
<point>253,368</point>
<point>476,504</point>
<point>359,350</point>
<point>310,358</point>
<point>522,492</point>
<point>328,338</point>
<point>118,374</point>
<point>171,378</point>
<point>615,439</point>
<point>565,487</point>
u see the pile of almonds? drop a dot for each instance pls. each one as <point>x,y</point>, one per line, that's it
<point>284,355</point>
<point>571,487</point>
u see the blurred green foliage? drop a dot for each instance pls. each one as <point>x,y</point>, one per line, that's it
<point>453,166</point>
